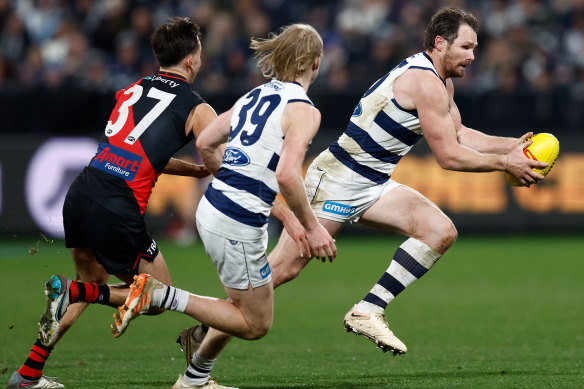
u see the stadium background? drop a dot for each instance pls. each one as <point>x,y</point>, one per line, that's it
<point>503,310</point>
<point>61,62</point>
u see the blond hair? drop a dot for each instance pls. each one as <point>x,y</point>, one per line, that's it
<point>287,55</point>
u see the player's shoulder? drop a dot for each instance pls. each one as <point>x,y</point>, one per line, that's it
<point>290,91</point>
<point>193,94</point>
<point>422,81</point>
<point>204,109</point>
<point>302,110</point>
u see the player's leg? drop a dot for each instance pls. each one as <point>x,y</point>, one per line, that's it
<point>240,264</point>
<point>250,321</point>
<point>190,339</point>
<point>256,307</point>
<point>67,299</point>
<point>246,314</point>
<point>151,271</point>
<point>403,210</point>
<point>88,270</point>
<point>431,233</point>
<point>115,243</point>
<point>58,298</point>
<point>157,268</point>
<point>286,265</point>
<point>284,259</point>
<point>89,273</point>
<point>202,360</point>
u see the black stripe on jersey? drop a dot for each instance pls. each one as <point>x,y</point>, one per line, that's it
<point>366,142</point>
<point>273,162</point>
<point>248,184</point>
<point>395,129</point>
<point>300,101</point>
<point>346,159</point>
<point>413,112</point>
<point>235,211</point>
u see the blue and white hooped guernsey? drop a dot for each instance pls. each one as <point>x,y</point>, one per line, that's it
<point>381,132</point>
<point>238,201</point>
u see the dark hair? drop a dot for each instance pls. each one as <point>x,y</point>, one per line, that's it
<point>446,24</point>
<point>173,41</point>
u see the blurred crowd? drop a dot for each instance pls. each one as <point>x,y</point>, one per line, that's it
<point>533,45</point>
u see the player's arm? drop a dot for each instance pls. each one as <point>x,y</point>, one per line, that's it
<point>478,140</point>
<point>200,117</point>
<point>292,225</point>
<point>432,102</point>
<point>211,140</point>
<point>179,167</point>
<point>300,123</point>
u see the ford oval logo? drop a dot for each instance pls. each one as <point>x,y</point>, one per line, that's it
<point>234,156</point>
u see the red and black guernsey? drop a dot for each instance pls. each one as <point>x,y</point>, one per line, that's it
<point>146,128</point>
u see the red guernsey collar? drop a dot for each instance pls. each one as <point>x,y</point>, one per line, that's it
<point>172,75</point>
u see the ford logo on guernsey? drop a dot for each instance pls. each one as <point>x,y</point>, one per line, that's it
<point>265,271</point>
<point>234,156</point>
<point>339,209</point>
<point>116,161</point>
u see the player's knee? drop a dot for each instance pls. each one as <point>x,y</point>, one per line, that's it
<point>293,271</point>
<point>441,235</point>
<point>259,330</point>
<point>448,235</point>
<point>282,274</point>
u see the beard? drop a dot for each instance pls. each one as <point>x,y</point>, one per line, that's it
<point>454,69</point>
<point>458,71</point>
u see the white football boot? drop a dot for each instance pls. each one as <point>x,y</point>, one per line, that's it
<point>376,328</point>
<point>210,384</point>
<point>18,382</point>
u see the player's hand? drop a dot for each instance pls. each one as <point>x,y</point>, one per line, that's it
<point>525,137</point>
<point>322,245</point>
<point>521,167</point>
<point>298,234</point>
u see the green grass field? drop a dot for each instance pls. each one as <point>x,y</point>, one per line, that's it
<point>496,312</point>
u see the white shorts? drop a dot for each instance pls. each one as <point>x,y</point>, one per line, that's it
<point>239,264</point>
<point>335,193</point>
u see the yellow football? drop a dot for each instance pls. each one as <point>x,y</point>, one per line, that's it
<point>545,148</point>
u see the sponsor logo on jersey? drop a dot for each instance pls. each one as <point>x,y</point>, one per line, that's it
<point>276,85</point>
<point>265,271</point>
<point>168,82</point>
<point>339,209</point>
<point>358,110</point>
<point>235,156</point>
<point>116,161</point>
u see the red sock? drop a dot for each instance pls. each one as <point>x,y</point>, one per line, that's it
<point>88,293</point>
<point>33,367</point>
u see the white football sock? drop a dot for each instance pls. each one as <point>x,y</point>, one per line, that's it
<point>198,371</point>
<point>171,298</point>
<point>410,262</point>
